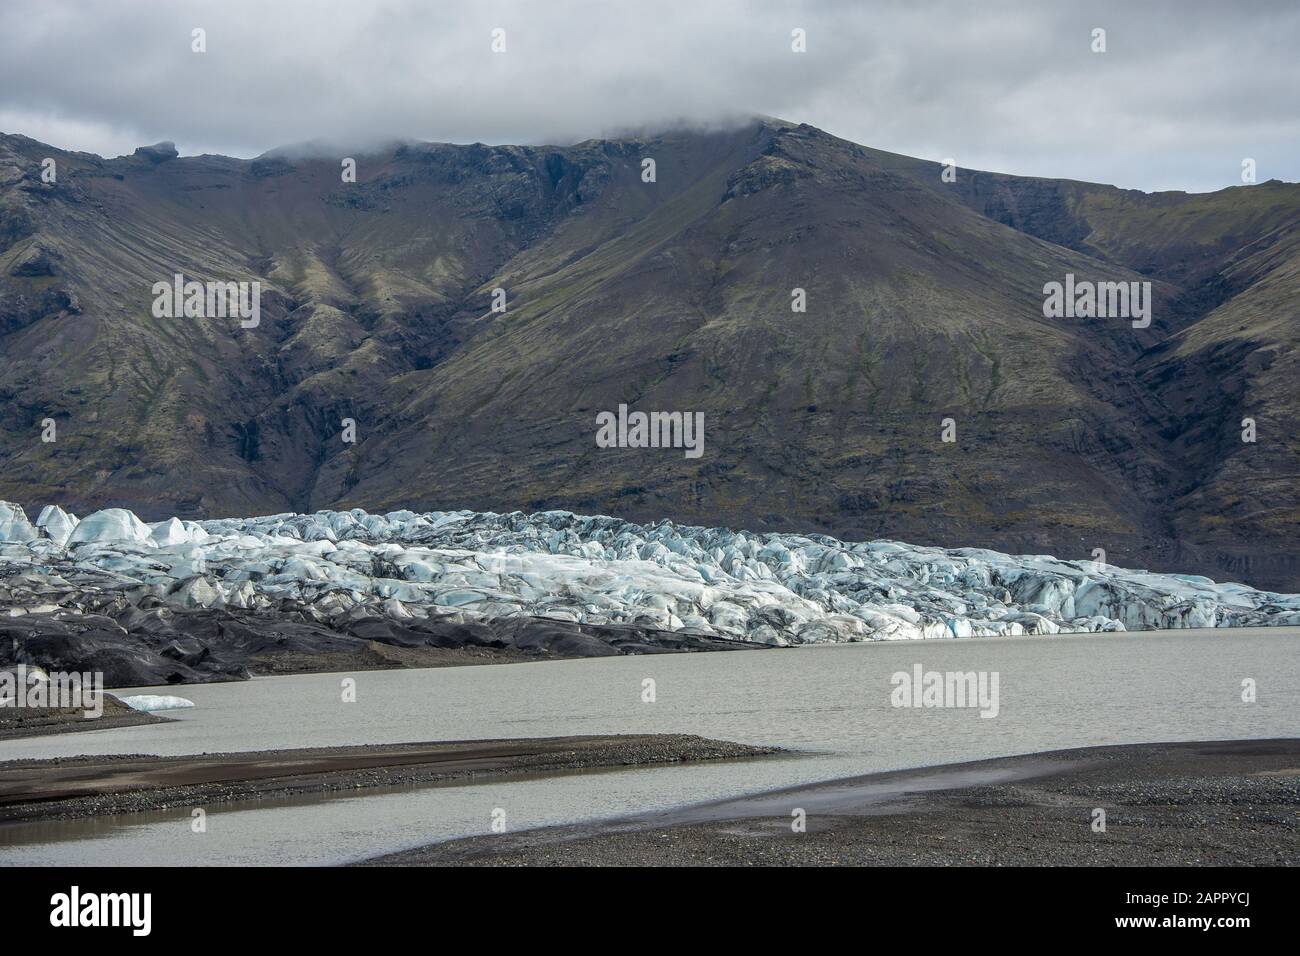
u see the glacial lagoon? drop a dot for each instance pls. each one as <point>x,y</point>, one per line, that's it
<point>830,705</point>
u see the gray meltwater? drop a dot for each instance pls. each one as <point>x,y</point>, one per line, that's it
<point>831,703</point>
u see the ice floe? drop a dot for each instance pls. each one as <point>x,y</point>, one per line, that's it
<point>148,703</point>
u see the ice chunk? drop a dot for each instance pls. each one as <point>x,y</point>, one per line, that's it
<point>170,532</point>
<point>14,525</point>
<point>111,524</point>
<point>148,703</point>
<point>57,524</point>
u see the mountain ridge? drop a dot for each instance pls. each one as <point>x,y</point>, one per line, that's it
<point>924,303</point>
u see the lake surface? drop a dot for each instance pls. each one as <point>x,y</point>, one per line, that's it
<point>832,704</point>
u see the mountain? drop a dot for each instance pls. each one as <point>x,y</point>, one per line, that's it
<point>925,301</point>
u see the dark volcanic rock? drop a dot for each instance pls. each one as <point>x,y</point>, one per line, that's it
<point>37,261</point>
<point>158,152</point>
<point>162,645</point>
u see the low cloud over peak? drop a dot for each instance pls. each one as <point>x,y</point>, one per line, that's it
<point>1183,93</point>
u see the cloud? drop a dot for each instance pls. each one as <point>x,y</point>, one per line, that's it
<point>1183,93</point>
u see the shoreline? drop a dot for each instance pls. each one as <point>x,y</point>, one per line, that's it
<point>377,656</point>
<point>167,645</point>
<point>21,722</point>
<point>1233,802</point>
<point>77,787</point>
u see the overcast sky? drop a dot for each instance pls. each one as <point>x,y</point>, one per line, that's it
<point>1183,93</point>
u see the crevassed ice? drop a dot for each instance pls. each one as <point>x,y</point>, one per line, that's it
<point>770,588</point>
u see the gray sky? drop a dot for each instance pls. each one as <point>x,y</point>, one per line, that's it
<point>1184,92</point>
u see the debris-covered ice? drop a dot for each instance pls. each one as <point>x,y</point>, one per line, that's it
<point>556,566</point>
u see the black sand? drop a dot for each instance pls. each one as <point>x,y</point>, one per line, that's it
<point>1180,804</point>
<point>89,786</point>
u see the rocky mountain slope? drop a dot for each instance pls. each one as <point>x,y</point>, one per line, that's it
<point>924,302</point>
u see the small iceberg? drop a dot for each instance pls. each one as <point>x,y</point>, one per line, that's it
<point>148,703</point>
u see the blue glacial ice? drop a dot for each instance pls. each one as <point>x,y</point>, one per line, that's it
<point>148,703</point>
<point>473,566</point>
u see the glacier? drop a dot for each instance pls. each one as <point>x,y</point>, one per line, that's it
<point>482,567</point>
